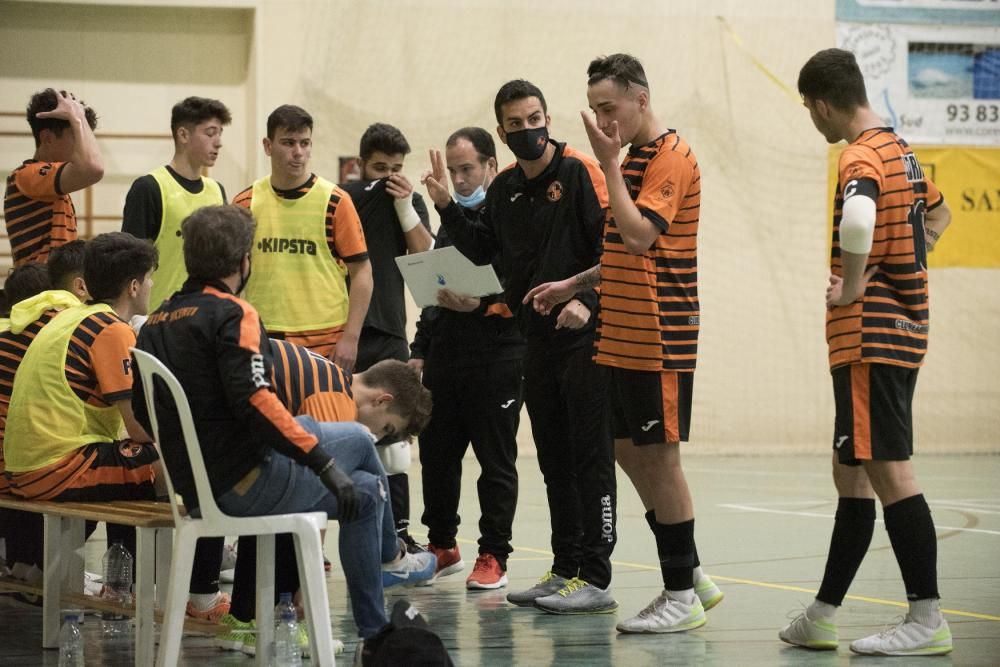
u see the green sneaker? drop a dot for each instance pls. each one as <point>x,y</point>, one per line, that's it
<point>238,636</point>
<point>578,597</point>
<point>549,583</point>
<point>707,592</point>
<point>338,646</point>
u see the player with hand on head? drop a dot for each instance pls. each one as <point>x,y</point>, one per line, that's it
<point>38,210</point>
<point>648,333</point>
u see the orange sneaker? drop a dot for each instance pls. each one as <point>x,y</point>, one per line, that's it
<point>487,574</point>
<point>449,561</point>
<point>215,610</point>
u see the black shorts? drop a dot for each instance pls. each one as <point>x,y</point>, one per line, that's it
<point>376,345</point>
<point>874,412</point>
<point>650,407</point>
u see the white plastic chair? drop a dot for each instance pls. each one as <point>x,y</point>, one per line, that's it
<point>304,527</point>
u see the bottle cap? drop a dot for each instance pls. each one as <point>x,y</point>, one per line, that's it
<point>284,597</point>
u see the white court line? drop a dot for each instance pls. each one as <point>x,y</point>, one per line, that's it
<point>965,506</point>
<point>944,504</point>
<point>748,508</point>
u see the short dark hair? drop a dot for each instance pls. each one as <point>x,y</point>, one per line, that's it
<point>47,100</point>
<point>112,260</point>
<point>518,89</point>
<point>410,398</point>
<point>25,282</point>
<point>195,110</point>
<point>65,263</point>
<point>480,139</point>
<point>215,240</point>
<point>384,138</point>
<point>833,75</point>
<point>623,69</point>
<point>290,118</point>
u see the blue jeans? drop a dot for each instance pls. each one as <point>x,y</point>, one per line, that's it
<point>285,486</point>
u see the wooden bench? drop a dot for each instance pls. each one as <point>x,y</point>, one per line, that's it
<point>63,563</point>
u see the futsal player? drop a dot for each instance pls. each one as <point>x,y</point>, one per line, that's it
<point>887,215</point>
<point>649,321</point>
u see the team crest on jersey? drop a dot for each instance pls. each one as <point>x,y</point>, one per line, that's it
<point>555,191</point>
<point>130,449</point>
<point>667,191</point>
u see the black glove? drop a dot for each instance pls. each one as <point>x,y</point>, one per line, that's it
<point>342,488</point>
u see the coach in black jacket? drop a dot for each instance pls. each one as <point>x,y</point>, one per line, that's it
<point>543,221</point>
<point>259,459</point>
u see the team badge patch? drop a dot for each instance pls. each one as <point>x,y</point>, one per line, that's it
<point>130,450</point>
<point>667,191</point>
<point>555,191</point>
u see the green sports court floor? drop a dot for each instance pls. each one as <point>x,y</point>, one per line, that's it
<point>763,526</point>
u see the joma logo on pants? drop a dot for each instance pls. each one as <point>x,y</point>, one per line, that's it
<point>607,519</point>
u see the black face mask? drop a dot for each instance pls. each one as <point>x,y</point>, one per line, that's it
<point>244,280</point>
<point>528,144</point>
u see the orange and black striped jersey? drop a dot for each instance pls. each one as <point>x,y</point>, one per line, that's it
<point>309,384</point>
<point>889,324</point>
<point>98,366</point>
<point>38,215</point>
<point>12,349</point>
<point>344,235</point>
<point>649,315</point>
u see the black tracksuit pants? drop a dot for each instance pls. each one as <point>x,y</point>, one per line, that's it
<point>482,405</point>
<point>566,395</point>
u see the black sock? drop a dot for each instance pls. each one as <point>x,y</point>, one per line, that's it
<point>675,547</point>
<point>852,535</point>
<point>911,531</point>
<point>651,520</point>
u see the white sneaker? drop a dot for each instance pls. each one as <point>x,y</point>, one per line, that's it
<point>92,583</point>
<point>409,570</point>
<point>665,614</point>
<point>907,638</point>
<point>820,634</point>
<point>228,557</point>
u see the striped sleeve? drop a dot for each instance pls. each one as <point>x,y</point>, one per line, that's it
<point>111,361</point>
<point>40,180</point>
<point>344,233</point>
<point>244,198</point>
<point>666,182</point>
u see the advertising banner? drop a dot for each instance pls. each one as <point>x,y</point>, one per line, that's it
<point>969,179</point>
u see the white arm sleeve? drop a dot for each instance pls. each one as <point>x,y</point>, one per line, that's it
<point>857,224</point>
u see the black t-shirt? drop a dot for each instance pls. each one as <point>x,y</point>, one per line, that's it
<point>386,242</point>
<point>538,230</point>
<point>144,204</point>
<point>449,338</point>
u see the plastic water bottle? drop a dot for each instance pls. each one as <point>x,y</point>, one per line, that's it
<point>71,640</point>
<point>115,625</point>
<point>287,652</point>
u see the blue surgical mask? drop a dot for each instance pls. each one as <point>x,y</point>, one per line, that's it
<point>471,201</point>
